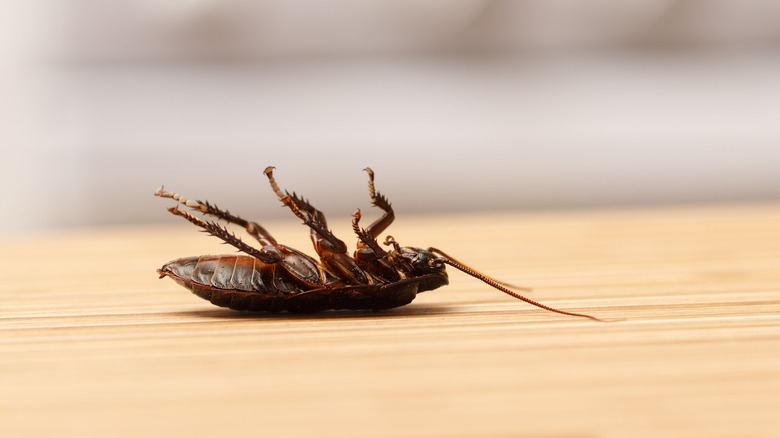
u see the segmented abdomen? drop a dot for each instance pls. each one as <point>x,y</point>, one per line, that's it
<point>229,272</point>
<point>245,283</point>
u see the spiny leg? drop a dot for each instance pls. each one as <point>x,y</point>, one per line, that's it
<point>365,239</point>
<point>310,216</point>
<point>270,254</point>
<point>332,251</point>
<point>253,228</point>
<point>380,201</point>
<point>370,256</point>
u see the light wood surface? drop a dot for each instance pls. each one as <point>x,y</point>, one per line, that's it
<point>93,344</point>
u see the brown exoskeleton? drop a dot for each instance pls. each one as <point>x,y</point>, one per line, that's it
<point>275,277</point>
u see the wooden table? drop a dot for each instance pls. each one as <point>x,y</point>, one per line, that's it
<point>93,344</point>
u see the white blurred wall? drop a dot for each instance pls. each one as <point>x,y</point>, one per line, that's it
<point>456,105</point>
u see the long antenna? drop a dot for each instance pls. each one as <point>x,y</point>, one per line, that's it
<point>503,283</point>
<point>503,289</point>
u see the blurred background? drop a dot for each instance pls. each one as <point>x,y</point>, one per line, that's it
<point>466,105</point>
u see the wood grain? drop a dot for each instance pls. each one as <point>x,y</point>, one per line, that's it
<point>93,344</point>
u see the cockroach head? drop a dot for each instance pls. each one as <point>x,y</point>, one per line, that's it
<point>415,261</point>
<point>419,261</point>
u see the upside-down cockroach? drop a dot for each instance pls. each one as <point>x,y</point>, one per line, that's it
<point>276,277</point>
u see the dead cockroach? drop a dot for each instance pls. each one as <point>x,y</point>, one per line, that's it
<point>276,277</point>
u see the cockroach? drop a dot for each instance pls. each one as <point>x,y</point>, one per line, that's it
<point>274,277</point>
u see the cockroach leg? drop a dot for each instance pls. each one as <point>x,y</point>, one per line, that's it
<point>311,217</point>
<point>365,239</point>
<point>371,257</point>
<point>331,249</point>
<point>380,201</point>
<point>390,240</point>
<point>253,228</point>
<point>269,254</point>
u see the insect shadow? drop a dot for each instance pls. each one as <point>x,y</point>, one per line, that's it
<point>418,310</point>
